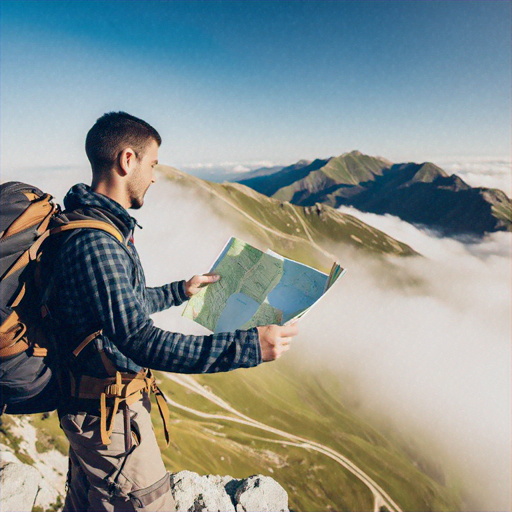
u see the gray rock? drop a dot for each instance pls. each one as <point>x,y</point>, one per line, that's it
<point>20,484</point>
<point>213,493</point>
<point>261,494</point>
<point>194,493</point>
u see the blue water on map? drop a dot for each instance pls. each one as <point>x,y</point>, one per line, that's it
<point>299,287</point>
<point>239,309</point>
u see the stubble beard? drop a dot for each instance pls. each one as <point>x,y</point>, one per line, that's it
<point>135,192</point>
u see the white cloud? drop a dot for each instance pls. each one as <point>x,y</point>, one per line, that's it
<point>201,166</point>
<point>252,164</point>
<point>481,172</point>
<point>425,340</point>
<point>217,171</point>
<point>241,168</point>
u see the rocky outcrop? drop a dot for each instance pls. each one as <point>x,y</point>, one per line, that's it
<point>21,483</point>
<point>33,475</point>
<point>22,442</point>
<point>196,493</point>
<point>210,493</point>
<point>262,494</point>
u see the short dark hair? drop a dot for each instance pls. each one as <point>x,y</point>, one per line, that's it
<point>114,132</point>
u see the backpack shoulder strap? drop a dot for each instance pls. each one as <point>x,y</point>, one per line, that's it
<point>70,226</point>
<point>90,224</point>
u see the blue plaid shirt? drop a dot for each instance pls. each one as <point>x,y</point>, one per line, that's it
<point>100,284</point>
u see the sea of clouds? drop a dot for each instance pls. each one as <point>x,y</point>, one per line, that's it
<point>425,342</point>
<point>481,172</point>
<point>433,358</point>
<point>436,355</point>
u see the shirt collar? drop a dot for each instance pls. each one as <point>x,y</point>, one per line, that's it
<point>81,195</point>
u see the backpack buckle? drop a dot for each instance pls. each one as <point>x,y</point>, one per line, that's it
<point>114,389</point>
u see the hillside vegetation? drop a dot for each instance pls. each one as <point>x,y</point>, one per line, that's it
<point>294,231</point>
<point>289,395</point>
<point>293,399</point>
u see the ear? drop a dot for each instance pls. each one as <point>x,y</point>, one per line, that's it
<point>127,161</point>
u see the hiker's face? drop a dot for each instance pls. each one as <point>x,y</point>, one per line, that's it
<point>143,176</point>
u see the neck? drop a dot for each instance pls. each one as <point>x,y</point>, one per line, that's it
<point>111,189</point>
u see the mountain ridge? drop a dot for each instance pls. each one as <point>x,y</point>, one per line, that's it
<point>422,194</point>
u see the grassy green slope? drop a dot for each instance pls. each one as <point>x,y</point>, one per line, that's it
<point>420,193</point>
<point>354,168</point>
<point>348,169</point>
<point>299,401</point>
<point>292,227</point>
<point>309,405</point>
<point>427,173</point>
<point>503,212</point>
<point>501,206</point>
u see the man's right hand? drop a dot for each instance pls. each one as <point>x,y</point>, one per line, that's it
<point>275,340</point>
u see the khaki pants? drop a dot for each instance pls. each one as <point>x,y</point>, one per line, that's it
<point>107,478</point>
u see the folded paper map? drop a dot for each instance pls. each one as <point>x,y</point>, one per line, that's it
<point>257,288</point>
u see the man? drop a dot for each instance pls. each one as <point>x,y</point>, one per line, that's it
<point>102,308</point>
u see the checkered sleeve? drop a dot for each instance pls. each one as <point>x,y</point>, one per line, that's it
<point>163,297</point>
<point>107,285</point>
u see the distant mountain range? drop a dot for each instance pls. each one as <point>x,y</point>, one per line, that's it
<point>421,194</point>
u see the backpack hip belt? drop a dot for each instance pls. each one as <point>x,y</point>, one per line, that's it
<point>120,389</point>
<point>119,392</point>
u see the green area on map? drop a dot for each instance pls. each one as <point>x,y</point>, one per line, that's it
<point>256,288</point>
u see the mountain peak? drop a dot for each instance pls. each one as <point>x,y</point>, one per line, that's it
<point>357,155</point>
<point>354,152</point>
<point>427,172</point>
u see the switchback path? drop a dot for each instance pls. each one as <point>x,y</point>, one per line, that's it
<point>381,498</point>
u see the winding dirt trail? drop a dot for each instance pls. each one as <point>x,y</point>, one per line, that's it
<point>381,498</point>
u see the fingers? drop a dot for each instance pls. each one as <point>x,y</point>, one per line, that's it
<point>205,279</point>
<point>275,340</point>
<point>289,330</point>
<point>281,348</point>
<point>211,277</point>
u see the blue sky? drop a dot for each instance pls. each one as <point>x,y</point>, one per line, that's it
<point>251,81</point>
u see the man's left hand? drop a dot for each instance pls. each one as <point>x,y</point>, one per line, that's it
<point>194,284</point>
